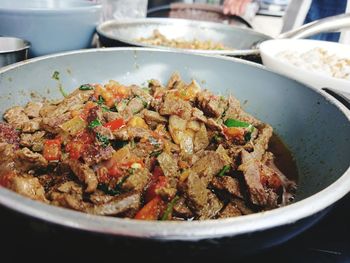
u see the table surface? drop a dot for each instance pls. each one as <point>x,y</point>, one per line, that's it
<point>327,241</point>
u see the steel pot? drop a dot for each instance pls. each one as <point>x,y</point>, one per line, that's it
<point>241,41</point>
<point>12,50</point>
<point>315,126</point>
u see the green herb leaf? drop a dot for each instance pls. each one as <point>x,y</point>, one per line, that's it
<point>105,108</point>
<point>236,123</point>
<point>247,136</point>
<point>224,170</point>
<point>170,208</point>
<point>107,190</point>
<point>100,100</point>
<point>94,123</point>
<point>117,189</point>
<point>56,75</point>
<point>63,92</point>
<point>102,139</point>
<point>86,87</point>
<point>145,104</point>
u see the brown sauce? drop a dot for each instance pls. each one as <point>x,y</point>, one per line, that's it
<point>284,160</point>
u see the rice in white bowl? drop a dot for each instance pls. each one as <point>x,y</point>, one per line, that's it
<point>318,60</point>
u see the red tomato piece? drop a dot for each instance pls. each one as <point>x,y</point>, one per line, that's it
<point>78,145</point>
<point>115,125</point>
<point>158,180</point>
<point>152,210</point>
<point>52,150</point>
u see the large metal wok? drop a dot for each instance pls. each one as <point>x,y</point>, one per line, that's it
<point>315,126</point>
<point>240,41</point>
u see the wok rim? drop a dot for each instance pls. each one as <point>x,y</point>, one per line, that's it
<point>174,230</point>
<point>172,21</point>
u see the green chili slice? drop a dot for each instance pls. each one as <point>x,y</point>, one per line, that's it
<point>86,87</point>
<point>236,123</point>
<point>169,208</point>
<point>224,170</point>
<point>95,123</point>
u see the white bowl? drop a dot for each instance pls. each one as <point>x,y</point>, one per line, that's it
<point>271,48</point>
<point>50,25</point>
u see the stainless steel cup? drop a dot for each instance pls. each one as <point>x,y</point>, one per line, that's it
<point>12,50</point>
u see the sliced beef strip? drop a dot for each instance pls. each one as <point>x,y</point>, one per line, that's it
<point>174,78</point>
<point>175,106</point>
<point>208,166</point>
<point>129,202</point>
<point>8,134</point>
<point>104,131</point>
<point>146,147</point>
<point>204,203</point>
<point>169,165</point>
<point>32,125</point>
<point>223,154</point>
<point>213,207</point>
<point>201,140</point>
<point>32,109</point>
<point>95,154</point>
<point>28,186</point>
<point>168,190</point>
<point>251,171</point>
<point>52,123</point>
<point>153,117</point>
<point>153,84</point>
<point>6,153</point>
<point>85,174</point>
<point>74,101</point>
<point>242,206</point>
<point>130,133</point>
<point>16,117</point>
<point>180,209</point>
<point>48,108</point>
<point>26,160</point>
<point>135,105</point>
<point>142,94</point>
<point>111,116</point>
<point>67,194</point>
<point>228,184</point>
<point>230,210</point>
<point>70,187</point>
<point>212,106</point>
<point>33,140</point>
<point>261,143</point>
<point>99,197</point>
<point>94,113</point>
<point>137,180</point>
<point>233,110</point>
<point>72,201</point>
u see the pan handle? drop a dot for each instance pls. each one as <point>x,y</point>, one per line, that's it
<point>329,24</point>
<point>343,97</point>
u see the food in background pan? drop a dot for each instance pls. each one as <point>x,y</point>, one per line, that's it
<point>319,60</point>
<point>173,152</point>
<point>158,39</point>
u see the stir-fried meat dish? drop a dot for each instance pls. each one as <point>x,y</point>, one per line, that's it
<point>158,39</point>
<point>173,152</point>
